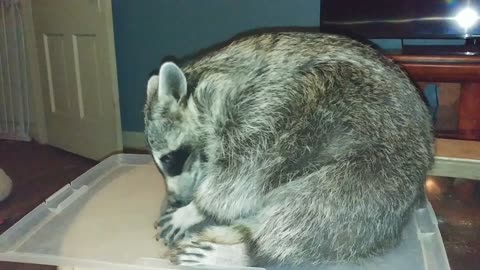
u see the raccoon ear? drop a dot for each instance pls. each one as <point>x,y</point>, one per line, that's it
<point>152,86</point>
<point>171,81</point>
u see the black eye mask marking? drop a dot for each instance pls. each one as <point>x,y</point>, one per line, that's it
<point>173,162</point>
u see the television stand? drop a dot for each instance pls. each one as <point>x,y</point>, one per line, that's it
<point>457,153</point>
<point>441,67</point>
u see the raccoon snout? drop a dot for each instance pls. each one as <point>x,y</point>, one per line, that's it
<point>174,202</point>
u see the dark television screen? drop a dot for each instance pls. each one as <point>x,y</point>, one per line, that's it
<point>402,18</point>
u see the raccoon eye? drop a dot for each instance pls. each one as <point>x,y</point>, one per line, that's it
<point>167,158</point>
<point>174,161</point>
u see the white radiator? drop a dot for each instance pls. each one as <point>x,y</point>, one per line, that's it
<point>14,88</point>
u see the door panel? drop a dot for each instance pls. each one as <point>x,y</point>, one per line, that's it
<point>56,72</point>
<point>87,76</point>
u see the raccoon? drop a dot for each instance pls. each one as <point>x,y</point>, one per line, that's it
<point>316,148</point>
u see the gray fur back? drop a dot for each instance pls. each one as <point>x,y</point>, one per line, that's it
<point>322,143</point>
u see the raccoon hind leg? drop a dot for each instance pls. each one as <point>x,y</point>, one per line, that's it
<point>315,219</point>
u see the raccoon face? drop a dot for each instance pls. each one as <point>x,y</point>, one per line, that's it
<point>168,124</point>
<point>181,188</point>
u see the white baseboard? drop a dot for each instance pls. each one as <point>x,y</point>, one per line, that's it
<point>134,140</point>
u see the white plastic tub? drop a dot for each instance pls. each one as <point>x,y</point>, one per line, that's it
<point>104,220</point>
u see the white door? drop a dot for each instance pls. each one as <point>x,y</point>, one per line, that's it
<point>77,66</point>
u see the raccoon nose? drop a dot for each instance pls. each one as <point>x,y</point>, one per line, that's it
<point>174,202</point>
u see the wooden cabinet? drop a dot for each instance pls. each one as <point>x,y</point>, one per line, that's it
<point>447,68</point>
<point>458,151</point>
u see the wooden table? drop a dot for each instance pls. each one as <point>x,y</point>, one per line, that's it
<point>458,157</point>
<point>449,68</point>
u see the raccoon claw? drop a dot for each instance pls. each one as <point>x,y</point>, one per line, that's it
<point>196,253</point>
<point>156,224</point>
<point>170,242</point>
<point>164,220</point>
<point>175,225</point>
<point>160,221</point>
<point>191,253</point>
<point>171,235</point>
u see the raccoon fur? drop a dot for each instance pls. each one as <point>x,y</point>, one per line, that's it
<point>315,147</point>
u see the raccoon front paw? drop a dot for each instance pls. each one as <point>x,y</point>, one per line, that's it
<point>195,252</point>
<point>174,225</point>
<point>156,224</point>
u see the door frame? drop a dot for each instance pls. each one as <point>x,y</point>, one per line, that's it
<point>113,60</point>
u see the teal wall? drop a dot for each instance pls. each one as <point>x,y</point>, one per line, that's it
<point>148,30</point>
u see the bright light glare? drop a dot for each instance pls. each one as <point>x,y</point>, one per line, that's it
<point>432,187</point>
<point>467,17</point>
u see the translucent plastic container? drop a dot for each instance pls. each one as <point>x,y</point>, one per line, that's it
<point>104,220</point>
